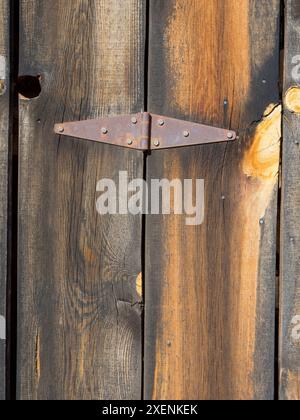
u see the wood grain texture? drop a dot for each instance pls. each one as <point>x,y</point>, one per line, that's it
<point>79,318</point>
<point>210,289</point>
<point>4,123</point>
<point>290,216</point>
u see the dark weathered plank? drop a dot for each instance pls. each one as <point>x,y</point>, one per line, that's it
<point>4,121</point>
<point>79,327</point>
<point>290,216</point>
<point>210,288</point>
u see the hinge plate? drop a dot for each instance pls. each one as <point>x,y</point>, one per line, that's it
<point>144,131</point>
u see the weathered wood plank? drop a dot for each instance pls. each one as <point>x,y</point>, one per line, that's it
<point>4,123</point>
<point>79,327</point>
<point>210,289</point>
<point>290,215</point>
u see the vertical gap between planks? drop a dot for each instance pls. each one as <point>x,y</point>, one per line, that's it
<point>146,84</point>
<point>278,268</point>
<point>12,230</point>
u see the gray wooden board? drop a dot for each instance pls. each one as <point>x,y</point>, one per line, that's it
<point>79,317</point>
<point>290,215</point>
<point>4,122</point>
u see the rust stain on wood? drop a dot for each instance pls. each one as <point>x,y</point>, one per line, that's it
<point>292,100</point>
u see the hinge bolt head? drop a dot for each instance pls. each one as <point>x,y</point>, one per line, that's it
<point>230,136</point>
<point>61,129</point>
<point>156,143</point>
<point>161,123</point>
<point>186,133</point>
<point>129,142</point>
<point>134,120</point>
<point>104,130</point>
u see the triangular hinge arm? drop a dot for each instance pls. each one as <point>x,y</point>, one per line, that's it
<point>144,131</point>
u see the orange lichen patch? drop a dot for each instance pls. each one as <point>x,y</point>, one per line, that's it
<point>139,285</point>
<point>202,77</point>
<point>261,161</point>
<point>292,99</point>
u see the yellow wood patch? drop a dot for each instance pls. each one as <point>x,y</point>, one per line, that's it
<point>139,285</point>
<point>261,161</point>
<point>292,99</point>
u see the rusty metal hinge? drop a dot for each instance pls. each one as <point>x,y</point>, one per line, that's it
<point>144,131</point>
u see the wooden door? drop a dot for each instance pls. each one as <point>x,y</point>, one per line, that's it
<point>79,318</point>
<point>136,307</point>
<point>210,290</point>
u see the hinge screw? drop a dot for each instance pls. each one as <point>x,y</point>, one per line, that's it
<point>230,136</point>
<point>186,133</point>
<point>134,120</point>
<point>104,130</point>
<point>161,123</point>
<point>156,143</point>
<point>61,129</point>
<point>129,142</point>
